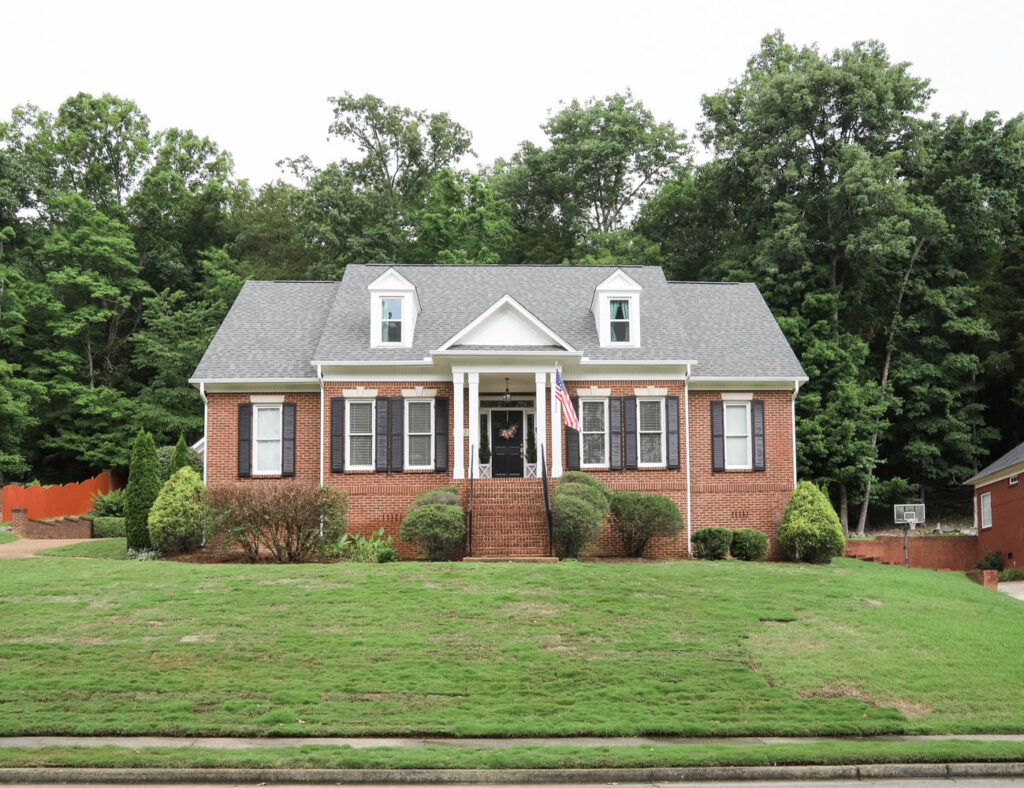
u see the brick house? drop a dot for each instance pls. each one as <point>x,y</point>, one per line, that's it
<point>398,379</point>
<point>999,507</point>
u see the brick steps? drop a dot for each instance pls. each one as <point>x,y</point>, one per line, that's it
<point>509,521</point>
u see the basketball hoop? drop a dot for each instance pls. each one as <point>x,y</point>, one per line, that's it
<point>911,518</point>
<point>909,514</point>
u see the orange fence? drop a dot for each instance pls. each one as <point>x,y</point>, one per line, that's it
<point>57,500</point>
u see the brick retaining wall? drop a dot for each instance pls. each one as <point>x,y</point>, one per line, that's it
<point>959,553</point>
<point>59,528</point>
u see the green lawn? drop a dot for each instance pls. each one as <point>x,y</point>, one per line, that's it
<point>7,536</point>
<point>94,548</point>
<point>690,648</point>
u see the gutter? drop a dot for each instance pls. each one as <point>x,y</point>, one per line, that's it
<point>689,509</point>
<point>206,446</point>
<point>796,390</point>
<point>320,376</point>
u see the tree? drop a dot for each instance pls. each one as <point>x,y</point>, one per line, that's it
<point>179,459</point>
<point>141,491</point>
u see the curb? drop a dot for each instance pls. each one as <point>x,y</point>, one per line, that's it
<point>509,776</point>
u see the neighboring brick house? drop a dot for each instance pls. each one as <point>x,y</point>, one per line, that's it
<point>999,507</point>
<point>398,379</point>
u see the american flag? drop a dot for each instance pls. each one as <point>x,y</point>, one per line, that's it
<point>568,411</point>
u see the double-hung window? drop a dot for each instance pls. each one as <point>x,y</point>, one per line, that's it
<point>619,327</point>
<point>651,431</point>
<point>391,320</point>
<point>266,444</point>
<point>594,435</point>
<point>986,510</point>
<point>737,436</point>
<point>419,433</point>
<point>359,453</point>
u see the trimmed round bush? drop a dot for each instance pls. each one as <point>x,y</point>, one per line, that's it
<point>448,496</point>
<point>711,544</point>
<point>638,517</point>
<point>580,477</point>
<point>575,523</point>
<point>588,493</point>
<point>749,544</point>
<point>107,527</point>
<point>435,527</point>
<point>810,529</point>
<point>179,513</point>
<point>142,489</point>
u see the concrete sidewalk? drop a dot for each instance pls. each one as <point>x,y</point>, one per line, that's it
<point>26,548</point>
<point>254,743</point>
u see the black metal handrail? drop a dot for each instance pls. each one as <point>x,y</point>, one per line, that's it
<point>469,526</point>
<point>547,501</point>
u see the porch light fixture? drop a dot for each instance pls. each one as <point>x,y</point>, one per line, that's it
<point>508,394</point>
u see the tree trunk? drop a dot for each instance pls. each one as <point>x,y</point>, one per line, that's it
<point>844,508</point>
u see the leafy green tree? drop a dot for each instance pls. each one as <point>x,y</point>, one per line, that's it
<point>179,459</point>
<point>266,228</point>
<point>141,491</point>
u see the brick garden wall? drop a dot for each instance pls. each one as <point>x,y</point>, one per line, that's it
<point>59,528</point>
<point>958,553</point>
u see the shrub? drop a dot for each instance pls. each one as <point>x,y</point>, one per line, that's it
<point>375,549</point>
<point>179,457</point>
<point>810,529</point>
<point>109,505</point>
<point>749,544</point>
<point>289,522</point>
<point>711,544</point>
<point>107,527</point>
<point>178,517</point>
<point>588,493</point>
<point>143,488</point>
<point>1009,575</point>
<point>638,517</point>
<point>575,523</point>
<point>580,477</point>
<point>165,454</point>
<point>435,527</point>
<point>990,560</point>
<point>446,495</point>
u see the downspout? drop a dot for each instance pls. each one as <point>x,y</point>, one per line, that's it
<point>320,377</point>
<point>206,437</point>
<point>796,390</point>
<point>689,510</point>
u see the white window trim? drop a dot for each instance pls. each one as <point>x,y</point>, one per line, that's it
<point>749,465</point>
<point>405,448</point>
<point>1014,479</point>
<point>256,470</point>
<point>634,322</point>
<point>987,496</point>
<point>402,321</point>
<point>348,435</point>
<point>639,462</point>
<point>605,464</point>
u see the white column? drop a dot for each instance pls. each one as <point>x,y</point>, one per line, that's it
<point>474,422</point>
<point>540,415</point>
<point>556,432</point>
<point>458,428</point>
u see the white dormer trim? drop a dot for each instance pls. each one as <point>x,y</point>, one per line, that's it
<point>507,302</point>
<point>619,286</point>
<point>391,284</point>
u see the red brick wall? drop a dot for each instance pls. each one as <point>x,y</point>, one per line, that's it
<point>59,528</point>
<point>958,553</point>
<point>1007,532</point>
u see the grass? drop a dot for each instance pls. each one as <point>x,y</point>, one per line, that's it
<point>94,548</point>
<point>313,756</point>
<point>7,536</point>
<point>687,648</point>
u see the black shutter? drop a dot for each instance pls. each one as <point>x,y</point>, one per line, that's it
<point>629,418</point>
<point>396,430</point>
<point>244,439</point>
<point>381,434</point>
<point>757,419</point>
<point>441,433</point>
<point>615,433</point>
<point>337,434</point>
<point>288,439</point>
<point>717,435</point>
<point>572,440</point>
<point>672,432</point>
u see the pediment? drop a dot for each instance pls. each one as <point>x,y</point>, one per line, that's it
<point>506,323</point>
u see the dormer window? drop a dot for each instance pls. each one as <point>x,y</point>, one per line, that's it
<point>391,320</point>
<point>619,328</point>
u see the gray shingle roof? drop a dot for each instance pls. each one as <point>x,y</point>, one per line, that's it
<point>276,329</point>
<point>1013,457</point>
<point>269,333</point>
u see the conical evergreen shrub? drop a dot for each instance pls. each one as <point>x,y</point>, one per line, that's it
<point>141,491</point>
<point>810,529</point>
<point>180,457</point>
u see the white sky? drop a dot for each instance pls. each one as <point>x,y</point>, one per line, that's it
<point>255,76</point>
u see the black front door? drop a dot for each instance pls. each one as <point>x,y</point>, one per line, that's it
<point>507,438</point>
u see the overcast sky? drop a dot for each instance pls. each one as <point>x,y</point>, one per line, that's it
<point>255,76</point>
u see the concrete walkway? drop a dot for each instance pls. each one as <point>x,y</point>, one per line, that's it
<point>243,743</point>
<point>1014,589</point>
<point>26,548</point>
